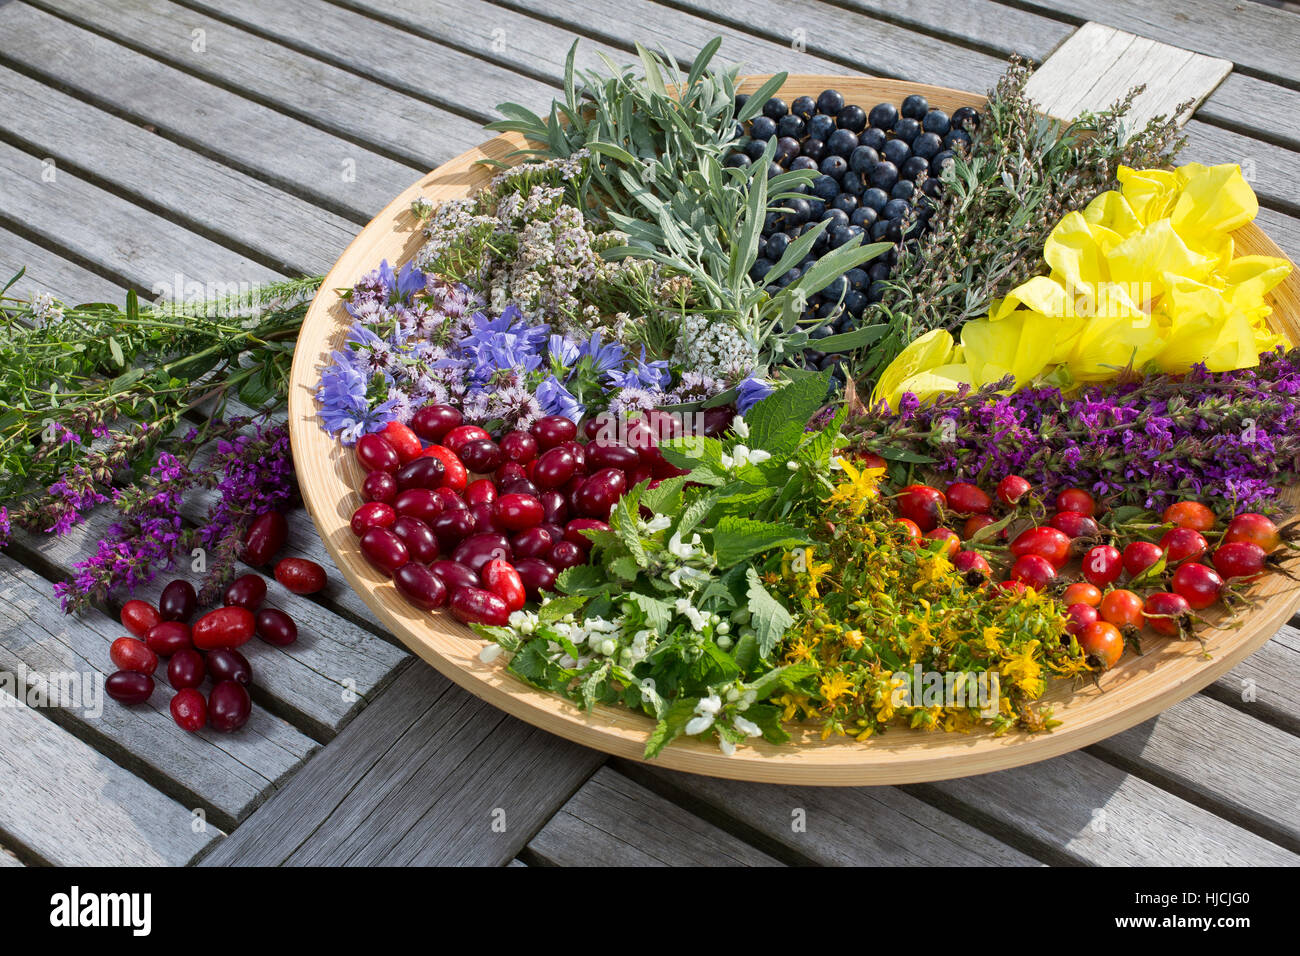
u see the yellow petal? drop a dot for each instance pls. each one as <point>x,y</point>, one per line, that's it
<point>1142,261</point>
<point>1214,199</point>
<point>1150,192</point>
<point>1112,212</point>
<point>1018,345</point>
<point>1205,328</point>
<point>1040,294</point>
<point>943,380</point>
<point>1120,334</point>
<point>1076,251</point>
<point>1250,278</point>
<point>927,352</point>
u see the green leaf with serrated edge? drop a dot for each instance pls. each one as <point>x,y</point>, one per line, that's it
<point>768,719</point>
<point>592,685</point>
<point>737,539</point>
<point>776,424</point>
<point>671,725</point>
<point>624,568</point>
<point>694,513</point>
<point>504,636</point>
<point>770,620</point>
<point>988,532</point>
<point>1152,573</point>
<point>558,607</point>
<point>666,499</point>
<point>581,579</point>
<point>658,613</point>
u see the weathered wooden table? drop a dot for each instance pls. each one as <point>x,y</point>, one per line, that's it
<point>146,142</point>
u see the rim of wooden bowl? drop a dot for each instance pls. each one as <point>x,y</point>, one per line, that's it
<point>1137,689</point>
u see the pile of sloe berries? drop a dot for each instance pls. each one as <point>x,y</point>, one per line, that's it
<point>878,178</point>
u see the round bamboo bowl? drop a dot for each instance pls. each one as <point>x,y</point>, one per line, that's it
<point>1137,689</point>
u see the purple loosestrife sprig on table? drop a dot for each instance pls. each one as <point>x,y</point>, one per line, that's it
<point>1231,439</point>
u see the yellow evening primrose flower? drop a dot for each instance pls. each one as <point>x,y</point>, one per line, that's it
<point>1144,275</point>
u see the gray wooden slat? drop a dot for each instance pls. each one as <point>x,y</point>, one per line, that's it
<point>279,149</point>
<point>333,99</point>
<point>420,777</point>
<point>1266,685</point>
<point>145,249</point>
<point>613,821</point>
<point>410,63</point>
<point>993,27</point>
<point>1099,64</point>
<point>874,46</point>
<point>1256,37</point>
<point>71,806</point>
<point>837,826</point>
<point>51,273</point>
<point>319,683</point>
<point>1282,229</point>
<point>286,232</point>
<point>1255,107</point>
<point>1242,768</point>
<point>1085,811</point>
<point>227,774</point>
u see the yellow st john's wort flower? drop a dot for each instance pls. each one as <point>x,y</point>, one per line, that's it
<point>858,487</point>
<point>1144,276</point>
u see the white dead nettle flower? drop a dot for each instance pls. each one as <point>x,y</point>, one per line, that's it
<point>684,576</point>
<point>45,310</point>
<point>690,612</point>
<point>682,549</point>
<point>747,727</point>
<point>726,746</point>
<point>490,653</point>
<point>742,455</point>
<point>713,348</point>
<point>739,427</point>
<point>705,712</point>
<point>656,524</point>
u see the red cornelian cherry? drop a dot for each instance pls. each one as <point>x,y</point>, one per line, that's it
<point>404,441</point>
<point>132,654</point>
<point>372,514</point>
<point>432,422</point>
<point>419,585</point>
<point>300,575</point>
<point>266,536</point>
<point>189,710</point>
<point>376,453</point>
<point>501,578</point>
<point>139,616</point>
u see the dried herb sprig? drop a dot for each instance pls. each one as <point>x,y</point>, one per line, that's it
<point>1023,173</point>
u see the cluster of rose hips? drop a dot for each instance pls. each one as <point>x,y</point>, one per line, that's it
<point>208,648</point>
<point>1180,573</point>
<point>482,524</point>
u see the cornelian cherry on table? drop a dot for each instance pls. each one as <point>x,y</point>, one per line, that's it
<point>139,616</point>
<point>474,605</point>
<point>385,550</point>
<point>419,585</point>
<point>379,486</point>
<point>1141,555</point>
<point>536,575</point>
<point>168,637</point>
<point>420,541</point>
<point>517,511</point>
<point>462,435</point>
<point>455,475</point>
<point>452,527</point>
<point>501,578</point>
<point>1077,500</point>
<point>372,514</point>
<point>1189,514</point>
<point>1046,542</point>
<point>425,471</point>
<point>481,456</point>
<point>481,491</point>
<point>432,422</point>
<point>300,575</point>
<point>1102,565</point>
<point>532,542</point>
<point>404,441</point>
<point>454,574</point>
<point>226,663</point>
<point>275,627</point>
<point>189,710</point>
<point>229,706</point>
<point>186,669</point>
<point>1183,544</point>
<point>965,498</point>
<point>518,446</point>
<point>555,467</point>
<point>248,590</point>
<point>226,627</point>
<point>1011,489</point>
<point>477,550</point>
<point>129,687</point>
<point>376,453</point>
<point>553,430</point>
<point>132,654</point>
<point>424,504</point>
<point>266,536</point>
<point>178,601</point>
